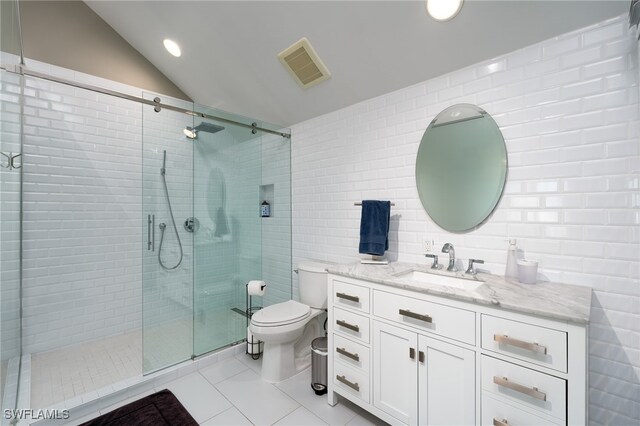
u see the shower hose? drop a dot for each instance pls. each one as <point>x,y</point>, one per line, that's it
<point>173,221</point>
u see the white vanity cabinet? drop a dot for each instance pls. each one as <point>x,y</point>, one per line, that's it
<point>414,358</point>
<point>430,381</point>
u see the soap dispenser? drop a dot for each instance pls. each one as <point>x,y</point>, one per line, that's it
<point>512,260</point>
<point>265,209</point>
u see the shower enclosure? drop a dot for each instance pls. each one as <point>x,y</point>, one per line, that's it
<point>130,225</point>
<point>209,176</point>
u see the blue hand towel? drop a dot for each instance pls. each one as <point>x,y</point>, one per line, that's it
<point>374,227</point>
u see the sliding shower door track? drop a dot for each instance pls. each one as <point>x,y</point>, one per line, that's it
<point>156,103</point>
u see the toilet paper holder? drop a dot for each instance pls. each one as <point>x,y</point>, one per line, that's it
<point>254,346</point>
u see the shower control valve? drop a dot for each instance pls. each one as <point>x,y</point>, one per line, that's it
<point>192,224</point>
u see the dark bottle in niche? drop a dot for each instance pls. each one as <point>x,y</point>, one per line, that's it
<point>265,209</point>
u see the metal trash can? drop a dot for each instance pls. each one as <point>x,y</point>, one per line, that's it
<point>319,365</point>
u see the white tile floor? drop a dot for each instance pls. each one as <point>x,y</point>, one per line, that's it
<point>231,392</point>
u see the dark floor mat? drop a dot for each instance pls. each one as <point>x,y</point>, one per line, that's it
<point>161,408</point>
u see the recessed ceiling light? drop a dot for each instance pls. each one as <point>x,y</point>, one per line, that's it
<point>443,10</point>
<point>172,47</point>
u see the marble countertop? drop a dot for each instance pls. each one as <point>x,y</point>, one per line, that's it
<point>552,300</point>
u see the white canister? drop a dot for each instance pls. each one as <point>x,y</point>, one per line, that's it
<point>527,271</point>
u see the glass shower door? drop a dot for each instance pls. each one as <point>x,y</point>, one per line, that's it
<point>228,245</point>
<point>212,175</point>
<point>231,180</point>
<point>10,231</point>
<point>167,264</point>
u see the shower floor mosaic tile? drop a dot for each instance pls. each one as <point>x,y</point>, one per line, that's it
<point>78,371</point>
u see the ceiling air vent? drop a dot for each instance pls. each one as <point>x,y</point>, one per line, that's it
<point>304,64</point>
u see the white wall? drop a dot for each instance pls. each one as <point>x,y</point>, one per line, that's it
<point>568,110</point>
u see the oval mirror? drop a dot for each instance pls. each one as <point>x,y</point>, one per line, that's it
<point>461,167</point>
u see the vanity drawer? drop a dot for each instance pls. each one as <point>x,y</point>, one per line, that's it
<point>531,388</point>
<point>351,381</point>
<point>351,353</point>
<point>539,345</point>
<point>458,324</point>
<point>351,296</point>
<point>499,413</point>
<point>350,324</point>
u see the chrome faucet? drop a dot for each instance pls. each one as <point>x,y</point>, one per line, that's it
<point>435,264</point>
<point>448,248</point>
<point>471,270</point>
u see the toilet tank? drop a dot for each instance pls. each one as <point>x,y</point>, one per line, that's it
<point>312,282</point>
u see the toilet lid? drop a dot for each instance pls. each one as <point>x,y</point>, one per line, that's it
<point>281,314</point>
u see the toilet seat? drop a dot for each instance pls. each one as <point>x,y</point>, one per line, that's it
<point>284,313</point>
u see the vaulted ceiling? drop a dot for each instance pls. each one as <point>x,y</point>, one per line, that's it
<point>370,47</point>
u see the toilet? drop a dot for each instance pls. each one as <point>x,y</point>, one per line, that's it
<point>288,328</point>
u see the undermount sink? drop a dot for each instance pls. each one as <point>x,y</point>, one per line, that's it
<point>442,280</point>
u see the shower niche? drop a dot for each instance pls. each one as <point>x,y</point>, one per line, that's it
<point>266,196</point>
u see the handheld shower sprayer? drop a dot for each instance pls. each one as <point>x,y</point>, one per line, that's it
<point>163,226</point>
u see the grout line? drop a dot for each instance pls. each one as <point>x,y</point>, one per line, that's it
<point>306,409</point>
<point>230,408</point>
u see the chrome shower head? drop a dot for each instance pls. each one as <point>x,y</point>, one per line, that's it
<point>192,132</point>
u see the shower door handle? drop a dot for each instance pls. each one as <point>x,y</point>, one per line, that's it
<point>151,232</point>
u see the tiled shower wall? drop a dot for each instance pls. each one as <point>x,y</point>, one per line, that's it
<point>568,110</point>
<point>82,197</point>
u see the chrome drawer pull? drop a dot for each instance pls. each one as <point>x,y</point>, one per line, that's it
<point>348,297</point>
<point>344,380</point>
<point>407,313</point>
<point>502,422</point>
<point>534,347</point>
<point>343,351</point>
<point>347,325</point>
<point>532,392</point>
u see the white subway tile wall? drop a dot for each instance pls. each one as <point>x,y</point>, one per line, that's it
<point>568,110</point>
<point>82,195</point>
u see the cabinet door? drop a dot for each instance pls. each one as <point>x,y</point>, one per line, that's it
<point>446,384</point>
<point>395,386</point>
